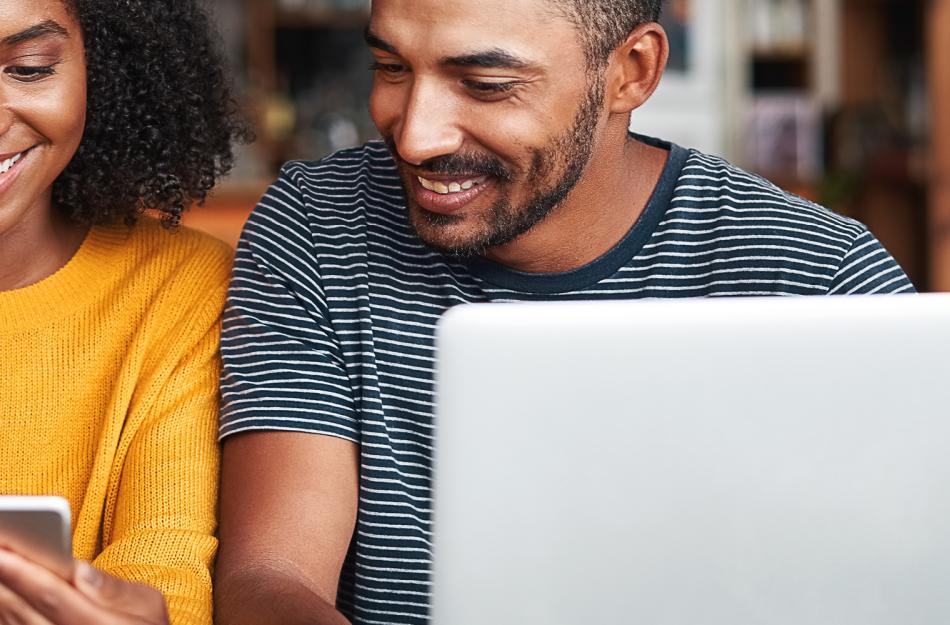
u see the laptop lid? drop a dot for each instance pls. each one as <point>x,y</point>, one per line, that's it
<point>767,461</point>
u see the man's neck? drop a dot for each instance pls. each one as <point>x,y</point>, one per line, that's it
<point>604,205</point>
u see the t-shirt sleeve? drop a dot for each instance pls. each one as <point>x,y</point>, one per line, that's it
<point>869,269</point>
<point>283,368</point>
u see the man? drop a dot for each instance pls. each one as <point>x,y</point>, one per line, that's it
<point>509,175</point>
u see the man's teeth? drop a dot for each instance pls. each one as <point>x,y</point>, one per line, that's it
<point>444,189</point>
<point>10,162</point>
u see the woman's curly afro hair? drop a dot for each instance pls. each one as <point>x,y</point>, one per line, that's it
<point>160,116</point>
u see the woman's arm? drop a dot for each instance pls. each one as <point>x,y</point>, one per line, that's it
<point>161,530</point>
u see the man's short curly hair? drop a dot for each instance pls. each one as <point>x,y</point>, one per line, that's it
<point>160,116</point>
<point>604,24</point>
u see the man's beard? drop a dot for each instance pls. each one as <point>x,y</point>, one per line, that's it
<point>567,154</point>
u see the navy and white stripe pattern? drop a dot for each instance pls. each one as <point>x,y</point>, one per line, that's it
<point>331,314</point>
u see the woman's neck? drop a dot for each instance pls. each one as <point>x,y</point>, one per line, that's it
<point>36,247</point>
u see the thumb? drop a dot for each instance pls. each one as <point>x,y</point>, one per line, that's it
<point>88,579</point>
<point>91,582</point>
<point>119,595</point>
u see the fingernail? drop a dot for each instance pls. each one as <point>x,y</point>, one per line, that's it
<point>89,575</point>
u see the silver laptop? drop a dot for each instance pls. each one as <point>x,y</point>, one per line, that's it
<point>702,462</point>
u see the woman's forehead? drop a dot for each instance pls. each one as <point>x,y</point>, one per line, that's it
<point>20,15</point>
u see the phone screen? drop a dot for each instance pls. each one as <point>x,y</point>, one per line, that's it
<point>37,528</point>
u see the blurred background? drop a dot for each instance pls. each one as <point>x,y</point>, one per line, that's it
<point>841,101</point>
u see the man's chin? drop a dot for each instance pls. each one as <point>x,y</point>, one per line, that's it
<point>446,234</point>
<point>423,217</point>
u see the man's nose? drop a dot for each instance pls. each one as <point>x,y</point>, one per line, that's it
<point>430,125</point>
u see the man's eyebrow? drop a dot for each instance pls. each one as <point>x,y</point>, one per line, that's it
<point>494,58</point>
<point>43,29</point>
<point>375,41</point>
<point>489,59</point>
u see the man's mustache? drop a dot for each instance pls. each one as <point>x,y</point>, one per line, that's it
<point>469,165</point>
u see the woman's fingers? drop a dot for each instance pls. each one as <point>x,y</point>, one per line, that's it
<point>36,596</point>
<point>46,557</point>
<point>112,593</point>
<point>15,611</point>
<point>33,595</point>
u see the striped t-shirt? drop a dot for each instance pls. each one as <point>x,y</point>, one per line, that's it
<point>331,315</point>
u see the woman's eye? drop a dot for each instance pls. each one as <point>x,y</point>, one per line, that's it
<point>25,73</point>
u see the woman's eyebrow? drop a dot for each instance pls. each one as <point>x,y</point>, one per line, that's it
<point>43,29</point>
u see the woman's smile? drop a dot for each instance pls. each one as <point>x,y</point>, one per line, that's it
<point>10,167</point>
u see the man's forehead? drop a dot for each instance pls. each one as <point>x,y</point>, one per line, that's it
<point>450,27</point>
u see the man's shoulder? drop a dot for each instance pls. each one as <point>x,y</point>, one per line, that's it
<point>338,190</point>
<point>370,163</point>
<point>332,217</point>
<point>742,234</point>
<point>711,191</point>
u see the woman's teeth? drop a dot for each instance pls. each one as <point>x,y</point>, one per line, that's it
<point>10,162</point>
<point>445,189</point>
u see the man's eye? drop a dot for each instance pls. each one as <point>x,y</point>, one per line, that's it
<point>489,88</point>
<point>388,68</point>
<point>24,73</point>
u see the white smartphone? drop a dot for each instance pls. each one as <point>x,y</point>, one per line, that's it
<point>37,528</point>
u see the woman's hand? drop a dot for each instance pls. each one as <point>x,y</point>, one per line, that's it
<point>33,595</point>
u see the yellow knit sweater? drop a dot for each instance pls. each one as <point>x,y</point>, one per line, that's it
<point>108,397</point>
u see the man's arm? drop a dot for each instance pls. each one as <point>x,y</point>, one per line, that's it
<point>290,425</point>
<point>288,510</point>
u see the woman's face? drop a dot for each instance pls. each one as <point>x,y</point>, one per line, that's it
<point>42,104</point>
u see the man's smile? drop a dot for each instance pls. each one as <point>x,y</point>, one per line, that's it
<point>452,185</point>
<point>448,195</point>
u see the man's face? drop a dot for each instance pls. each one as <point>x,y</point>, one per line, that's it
<point>490,110</point>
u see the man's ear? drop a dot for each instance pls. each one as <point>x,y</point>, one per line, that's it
<point>635,68</point>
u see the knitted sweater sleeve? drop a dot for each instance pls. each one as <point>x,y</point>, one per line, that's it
<point>160,519</point>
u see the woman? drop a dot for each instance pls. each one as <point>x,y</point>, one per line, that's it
<point>108,392</point>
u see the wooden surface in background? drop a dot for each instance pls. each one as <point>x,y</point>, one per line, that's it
<point>225,212</point>
<point>863,51</point>
<point>939,61</point>
<point>890,200</point>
